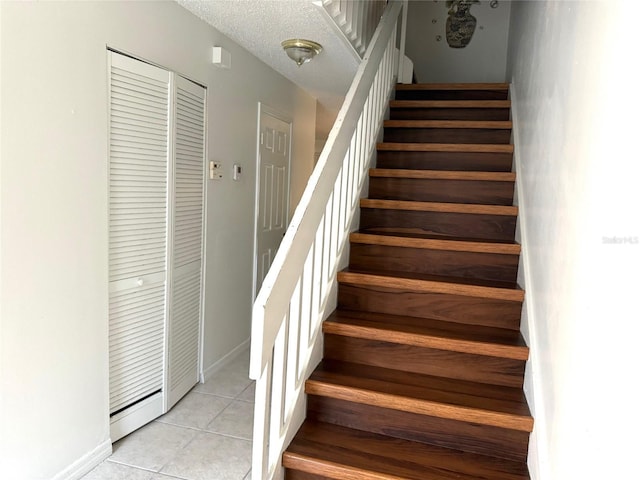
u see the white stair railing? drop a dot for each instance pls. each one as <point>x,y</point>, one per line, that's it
<point>356,20</point>
<point>299,291</point>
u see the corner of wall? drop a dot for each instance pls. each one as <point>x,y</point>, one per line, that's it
<point>207,372</point>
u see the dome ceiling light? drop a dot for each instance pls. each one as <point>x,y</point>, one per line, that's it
<point>301,51</point>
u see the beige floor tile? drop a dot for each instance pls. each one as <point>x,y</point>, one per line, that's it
<point>210,456</point>
<point>160,476</point>
<point>152,446</point>
<point>230,381</point>
<point>249,393</point>
<point>108,470</point>
<point>236,420</point>
<point>195,410</point>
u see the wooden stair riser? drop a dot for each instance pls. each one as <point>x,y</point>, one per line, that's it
<point>292,474</point>
<point>409,94</point>
<point>454,191</point>
<point>472,226</point>
<point>458,161</point>
<point>480,439</point>
<point>438,306</point>
<point>428,361</point>
<point>443,113</point>
<point>448,135</point>
<point>485,266</point>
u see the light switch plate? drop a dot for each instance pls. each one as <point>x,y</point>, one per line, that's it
<point>237,171</point>
<point>215,170</point>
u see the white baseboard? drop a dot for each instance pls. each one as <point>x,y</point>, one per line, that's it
<point>208,372</point>
<point>86,463</point>
<point>533,383</point>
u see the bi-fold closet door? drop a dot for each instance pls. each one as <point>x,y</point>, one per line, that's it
<point>156,207</point>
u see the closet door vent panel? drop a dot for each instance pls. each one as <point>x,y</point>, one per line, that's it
<point>186,272</point>
<point>136,344</point>
<point>138,197</point>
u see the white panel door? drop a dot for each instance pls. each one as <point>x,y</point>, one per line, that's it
<point>274,159</point>
<point>138,179</point>
<point>187,234</point>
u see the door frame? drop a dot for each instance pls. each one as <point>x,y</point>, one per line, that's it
<point>272,112</point>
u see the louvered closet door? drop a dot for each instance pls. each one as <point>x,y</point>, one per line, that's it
<point>187,222</point>
<point>138,180</point>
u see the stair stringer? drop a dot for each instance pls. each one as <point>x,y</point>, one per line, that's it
<point>533,384</point>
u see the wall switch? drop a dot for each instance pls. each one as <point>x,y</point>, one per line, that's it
<point>237,171</point>
<point>215,170</point>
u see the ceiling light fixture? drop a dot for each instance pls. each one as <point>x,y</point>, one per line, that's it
<point>301,51</point>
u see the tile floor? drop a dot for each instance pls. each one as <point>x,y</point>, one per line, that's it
<point>206,436</point>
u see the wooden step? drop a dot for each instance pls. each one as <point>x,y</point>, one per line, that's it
<point>447,156</point>
<point>453,91</point>
<point>445,147</point>
<point>389,157</point>
<point>453,104</point>
<point>438,243</point>
<point>428,333</point>
<point>500,210</point>
<point>490,188</point>
<point>450,109</point>
<point>469,437</point>
<point>451,219</point>
<point>459,400</point>
<point>460,86</point>
<point>508,177</point>
<point>426,346</point>
<point>325,451</point>
<point>452,124</point>
<point>481,260</point>
<point>489,304</point>
<point>448,131</point>
<point>435,284</point>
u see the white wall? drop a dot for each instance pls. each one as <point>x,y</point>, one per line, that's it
<point>53,346</point>
<point>483,60</point>
<point>574,81</point>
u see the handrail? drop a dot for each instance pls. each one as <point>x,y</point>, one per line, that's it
<point>298,292</point>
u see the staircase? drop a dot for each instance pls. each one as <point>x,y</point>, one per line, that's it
<point>423,359</point>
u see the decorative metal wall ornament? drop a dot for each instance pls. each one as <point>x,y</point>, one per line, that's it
<point>460,24</point>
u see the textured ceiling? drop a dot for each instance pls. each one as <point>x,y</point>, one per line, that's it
<point>260,25</point>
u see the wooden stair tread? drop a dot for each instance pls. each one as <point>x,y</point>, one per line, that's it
<point>450,103</point>
<point>446,147</point>
<point>434,284</point>
<point>428,333</point>
<point>443,175</point>
<point>462,400</point>
<point>437,243</point>
<point>453,86</point>
<point>434,236</point>
<point>439,207</point>
<point>493,124</point>
<point>332,451</point>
